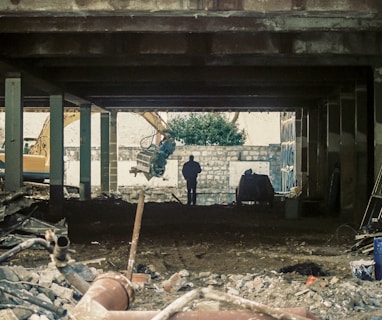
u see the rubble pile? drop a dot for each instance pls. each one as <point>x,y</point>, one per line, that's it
<point>39,294</point>
<point>326,297</point>
<point>44,294</point>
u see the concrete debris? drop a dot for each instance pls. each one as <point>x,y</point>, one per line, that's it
<point>54,298</point>
<point>17,223</point>
<point>41,293</point>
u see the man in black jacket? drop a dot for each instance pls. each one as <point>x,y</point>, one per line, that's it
<point>190,171</point>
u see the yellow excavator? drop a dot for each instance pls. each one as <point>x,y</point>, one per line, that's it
<point>36,152</point>
<point>152,160</point>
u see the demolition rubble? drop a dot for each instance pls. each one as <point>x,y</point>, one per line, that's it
<point>105,279</point>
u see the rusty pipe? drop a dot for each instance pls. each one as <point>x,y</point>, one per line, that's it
<point>95,314</point>
<point>61,248</point>
<point>109,291</point>
<point>134,242</point>
<point>60,256</point>
<point>110,295</point>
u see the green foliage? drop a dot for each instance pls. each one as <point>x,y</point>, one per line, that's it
<point>206,129</point>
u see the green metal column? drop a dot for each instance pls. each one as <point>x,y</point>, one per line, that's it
<point>13,133</point>
<point>105,152</point>
<point>113,152</point>
<point>322,181</point>
<point>333,155</point>
<point>298,155</point>
<point>312,153</point>
<point>378,120</point>
<point>56,175</point>
<point>85,152</point>
<point>304,152</point>
<point>347,153</point>
<point>361,151</point>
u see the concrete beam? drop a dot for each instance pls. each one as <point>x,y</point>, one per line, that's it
<point>172,5</point>
<point>68,20</point>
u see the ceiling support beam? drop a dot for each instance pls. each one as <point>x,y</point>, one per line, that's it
<point>56,175</point>
<point>85,152</point>
<point>105,152</point>
<point>13,133</point>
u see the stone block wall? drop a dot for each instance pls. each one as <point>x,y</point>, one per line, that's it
<point>220,167</point>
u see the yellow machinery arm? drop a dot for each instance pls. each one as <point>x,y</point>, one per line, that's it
<point>42,145</point>
<point>36,157</point>
<point>155,120</point>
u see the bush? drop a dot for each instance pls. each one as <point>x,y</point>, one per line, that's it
<point>206,129</point>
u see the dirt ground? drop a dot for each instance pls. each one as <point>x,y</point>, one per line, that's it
<point>221,239</point>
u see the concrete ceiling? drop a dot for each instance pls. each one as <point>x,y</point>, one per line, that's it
<point>188,60</point>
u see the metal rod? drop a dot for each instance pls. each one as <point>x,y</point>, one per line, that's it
<point>25,245</point>
<point>134,241</point>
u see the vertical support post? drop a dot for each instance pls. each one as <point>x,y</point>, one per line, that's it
<point>56,175</point>
<point>113,152</point>
<point>361,187</point>
<point>13,133</point>
<point>304,153</point>
<point>298,155</point>
<point>313,165</point>
<point>333,156</point>
<point>85,152</point>
<point>105,152</point>
<point>347,152</point>
<point>322,181</point>
<point>377,120</point>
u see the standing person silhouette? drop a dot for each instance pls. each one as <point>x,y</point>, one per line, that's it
<point>190,171</point>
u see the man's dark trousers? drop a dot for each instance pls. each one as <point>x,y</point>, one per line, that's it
<point>191,191</point>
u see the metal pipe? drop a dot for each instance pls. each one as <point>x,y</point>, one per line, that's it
<point>95,314</point>
<point>25,245</point>
<point>61,247</point>
<point>110,291</point>
<point>190,315</point>
<point>60,255</point>
<point>134,242</point>
<point>111,294</point>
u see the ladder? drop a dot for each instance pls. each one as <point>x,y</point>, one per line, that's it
<point>373,211</point>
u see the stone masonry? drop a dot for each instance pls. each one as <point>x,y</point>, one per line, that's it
<point>218,168</point>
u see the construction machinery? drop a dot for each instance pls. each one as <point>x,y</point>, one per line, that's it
<point>152,160</point>
<point>36,152</point>
<point>254,187</point>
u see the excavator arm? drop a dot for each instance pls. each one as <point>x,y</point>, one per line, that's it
<point>151,161</point>
<point>42,145</point>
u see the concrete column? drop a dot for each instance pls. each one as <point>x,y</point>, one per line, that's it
<point>347,154</point>
<point>13,133</point>
<point>333,156</point>
<point>56,175</point>
<point>113,152</point>
<point>312,156</point>
<point>288,146</point>
<point>85,152</point>
<point>298,154</point>
<point>378,120</point>
<point>105,152</point>
<point>322,177</point>
<point>361,187</point>
<point>304,153</point>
